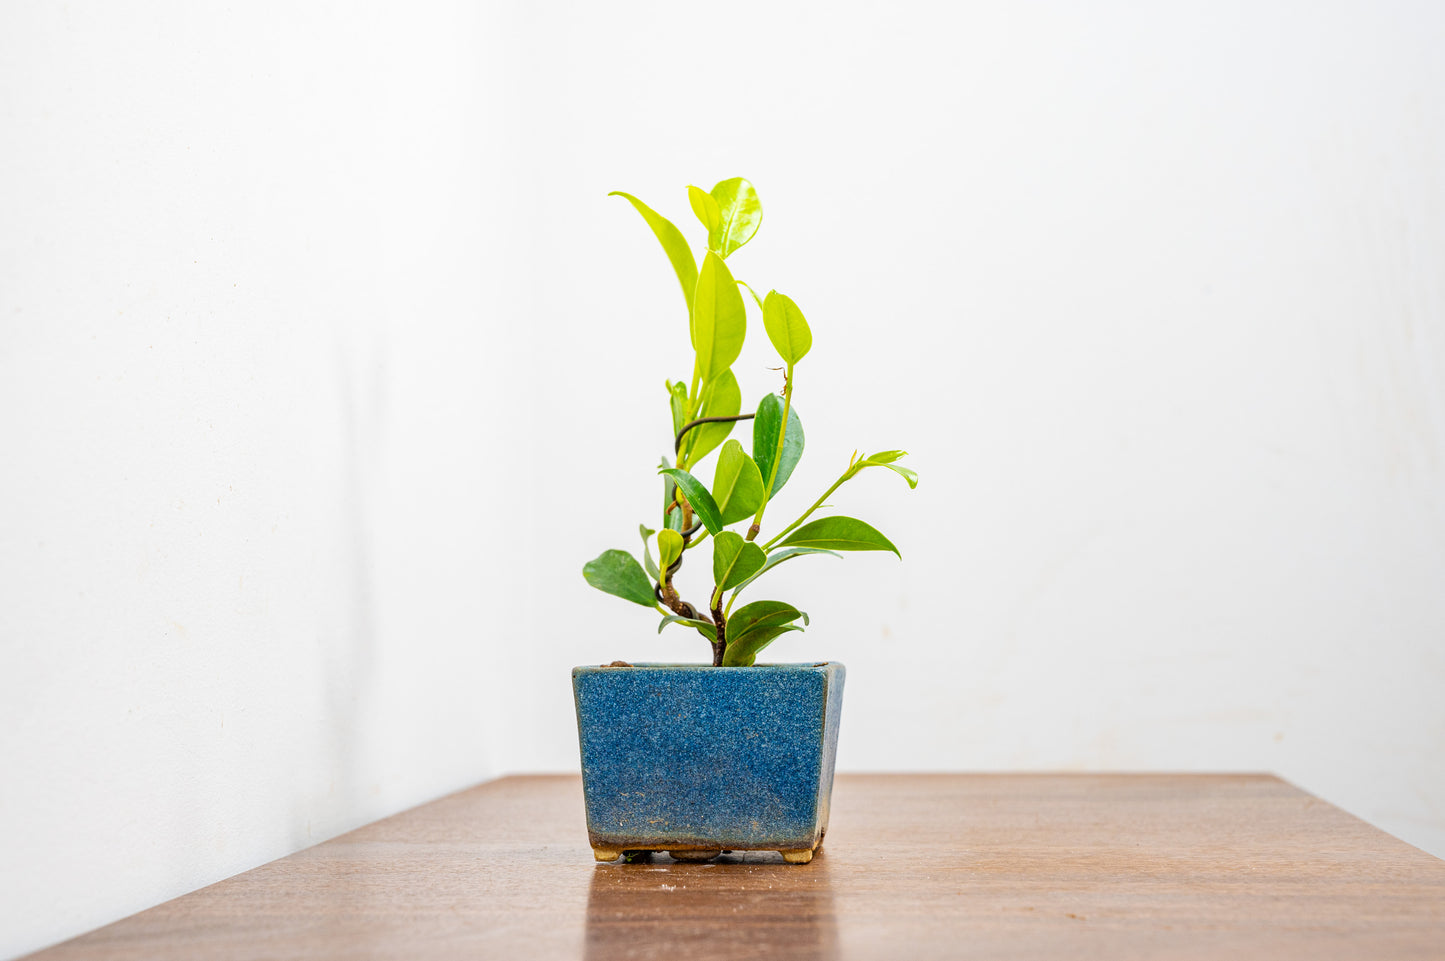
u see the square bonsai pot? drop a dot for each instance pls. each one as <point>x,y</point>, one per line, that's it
<point>696,760</point>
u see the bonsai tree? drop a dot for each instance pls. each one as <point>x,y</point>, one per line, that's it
<point>705,410</point>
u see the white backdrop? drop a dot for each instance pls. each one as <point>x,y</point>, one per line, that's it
<point>326,363</point>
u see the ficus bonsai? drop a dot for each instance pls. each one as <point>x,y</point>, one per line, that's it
<point>704,412</point>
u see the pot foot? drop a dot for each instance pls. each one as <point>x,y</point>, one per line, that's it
<point>802,856</point>
<point>694,855</point>
<point>606,854</point>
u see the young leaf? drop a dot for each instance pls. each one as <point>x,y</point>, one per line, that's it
<point>669,548</point>
<point>741,211</point>
<point>677,400</point>
<point>736,484</point>
<point>734,560</point>
<point>745,654</point>
<point>766,425</point>
<point>886,459</point>
<point>697,495</point>
<point>778,556</point>
<point>619,574</point>
<point>839,534</point>
<point>720,398</point>
<point>647,563</point>
<point>786,327</point>
<point>673,244</point>
<point>907,473</point>
<point>719,319</point>
<point>707,211</point>
<point>704,628</point>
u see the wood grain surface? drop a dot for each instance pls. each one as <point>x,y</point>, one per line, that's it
<point>914,867</point>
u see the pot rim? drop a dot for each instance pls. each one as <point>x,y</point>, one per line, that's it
<point>668,666</point>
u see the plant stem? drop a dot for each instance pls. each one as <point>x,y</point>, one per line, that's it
<point>694,397</point>
<point>816,504</point>
<point>719,646</point>
<point>777,455</point>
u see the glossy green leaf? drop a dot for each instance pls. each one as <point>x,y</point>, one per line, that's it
<point>669,548</point>
<point>753,627</point>
<point>674,244</point>
<point>762,614</point>
<point>648,563</point>
<point>839,534</point>
<point>719,319</point>
<point>736,484</point>
<point>746,653</point>
<point>720,398</point>
<point>708,213</point>
<point>734,560</point>
<point>779,556</point>
<point>677,400</point>
<point>766,425</point>
<point>741,211</point>
<point>619,574</point>
<point>698,496</point>
<point>705,628</point>
<point>786,327</point>
<point>886,456</point>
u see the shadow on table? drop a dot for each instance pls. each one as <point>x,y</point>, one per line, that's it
<point>737,907</point>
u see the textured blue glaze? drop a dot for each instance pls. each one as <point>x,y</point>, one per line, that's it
<point>686,754</point>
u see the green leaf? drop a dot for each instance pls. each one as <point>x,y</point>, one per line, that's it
<point>734,560</point>
<point>754,626</point>
<point>674,244</point>
<point>746,653</point>
<point>619,574</point>
<point>707,211</point>
<point>704,628</point>
<point>741,211</point>
<point>677,400</point>
<point>736,484</point>
<point>719,319</point>
<point>786,327</point>
<point>647,562</point>
<point>766,425</point>
<point>669,548</point>
<point>697,495</point>
<point>762,614</point>
<point>839,534</point>
<point>672,520</point>
<point>778,556</point>
<point>720,398</point>
<point>886,459</point>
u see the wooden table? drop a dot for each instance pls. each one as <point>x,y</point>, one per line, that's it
<point>915,866</point>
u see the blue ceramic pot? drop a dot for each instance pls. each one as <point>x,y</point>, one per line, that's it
<point>695,760</point>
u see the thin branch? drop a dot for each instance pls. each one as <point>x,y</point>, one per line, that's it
<point>677,444</point>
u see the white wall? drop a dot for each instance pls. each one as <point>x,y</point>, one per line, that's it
<point>250,285</point>
<point>326,363</point>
